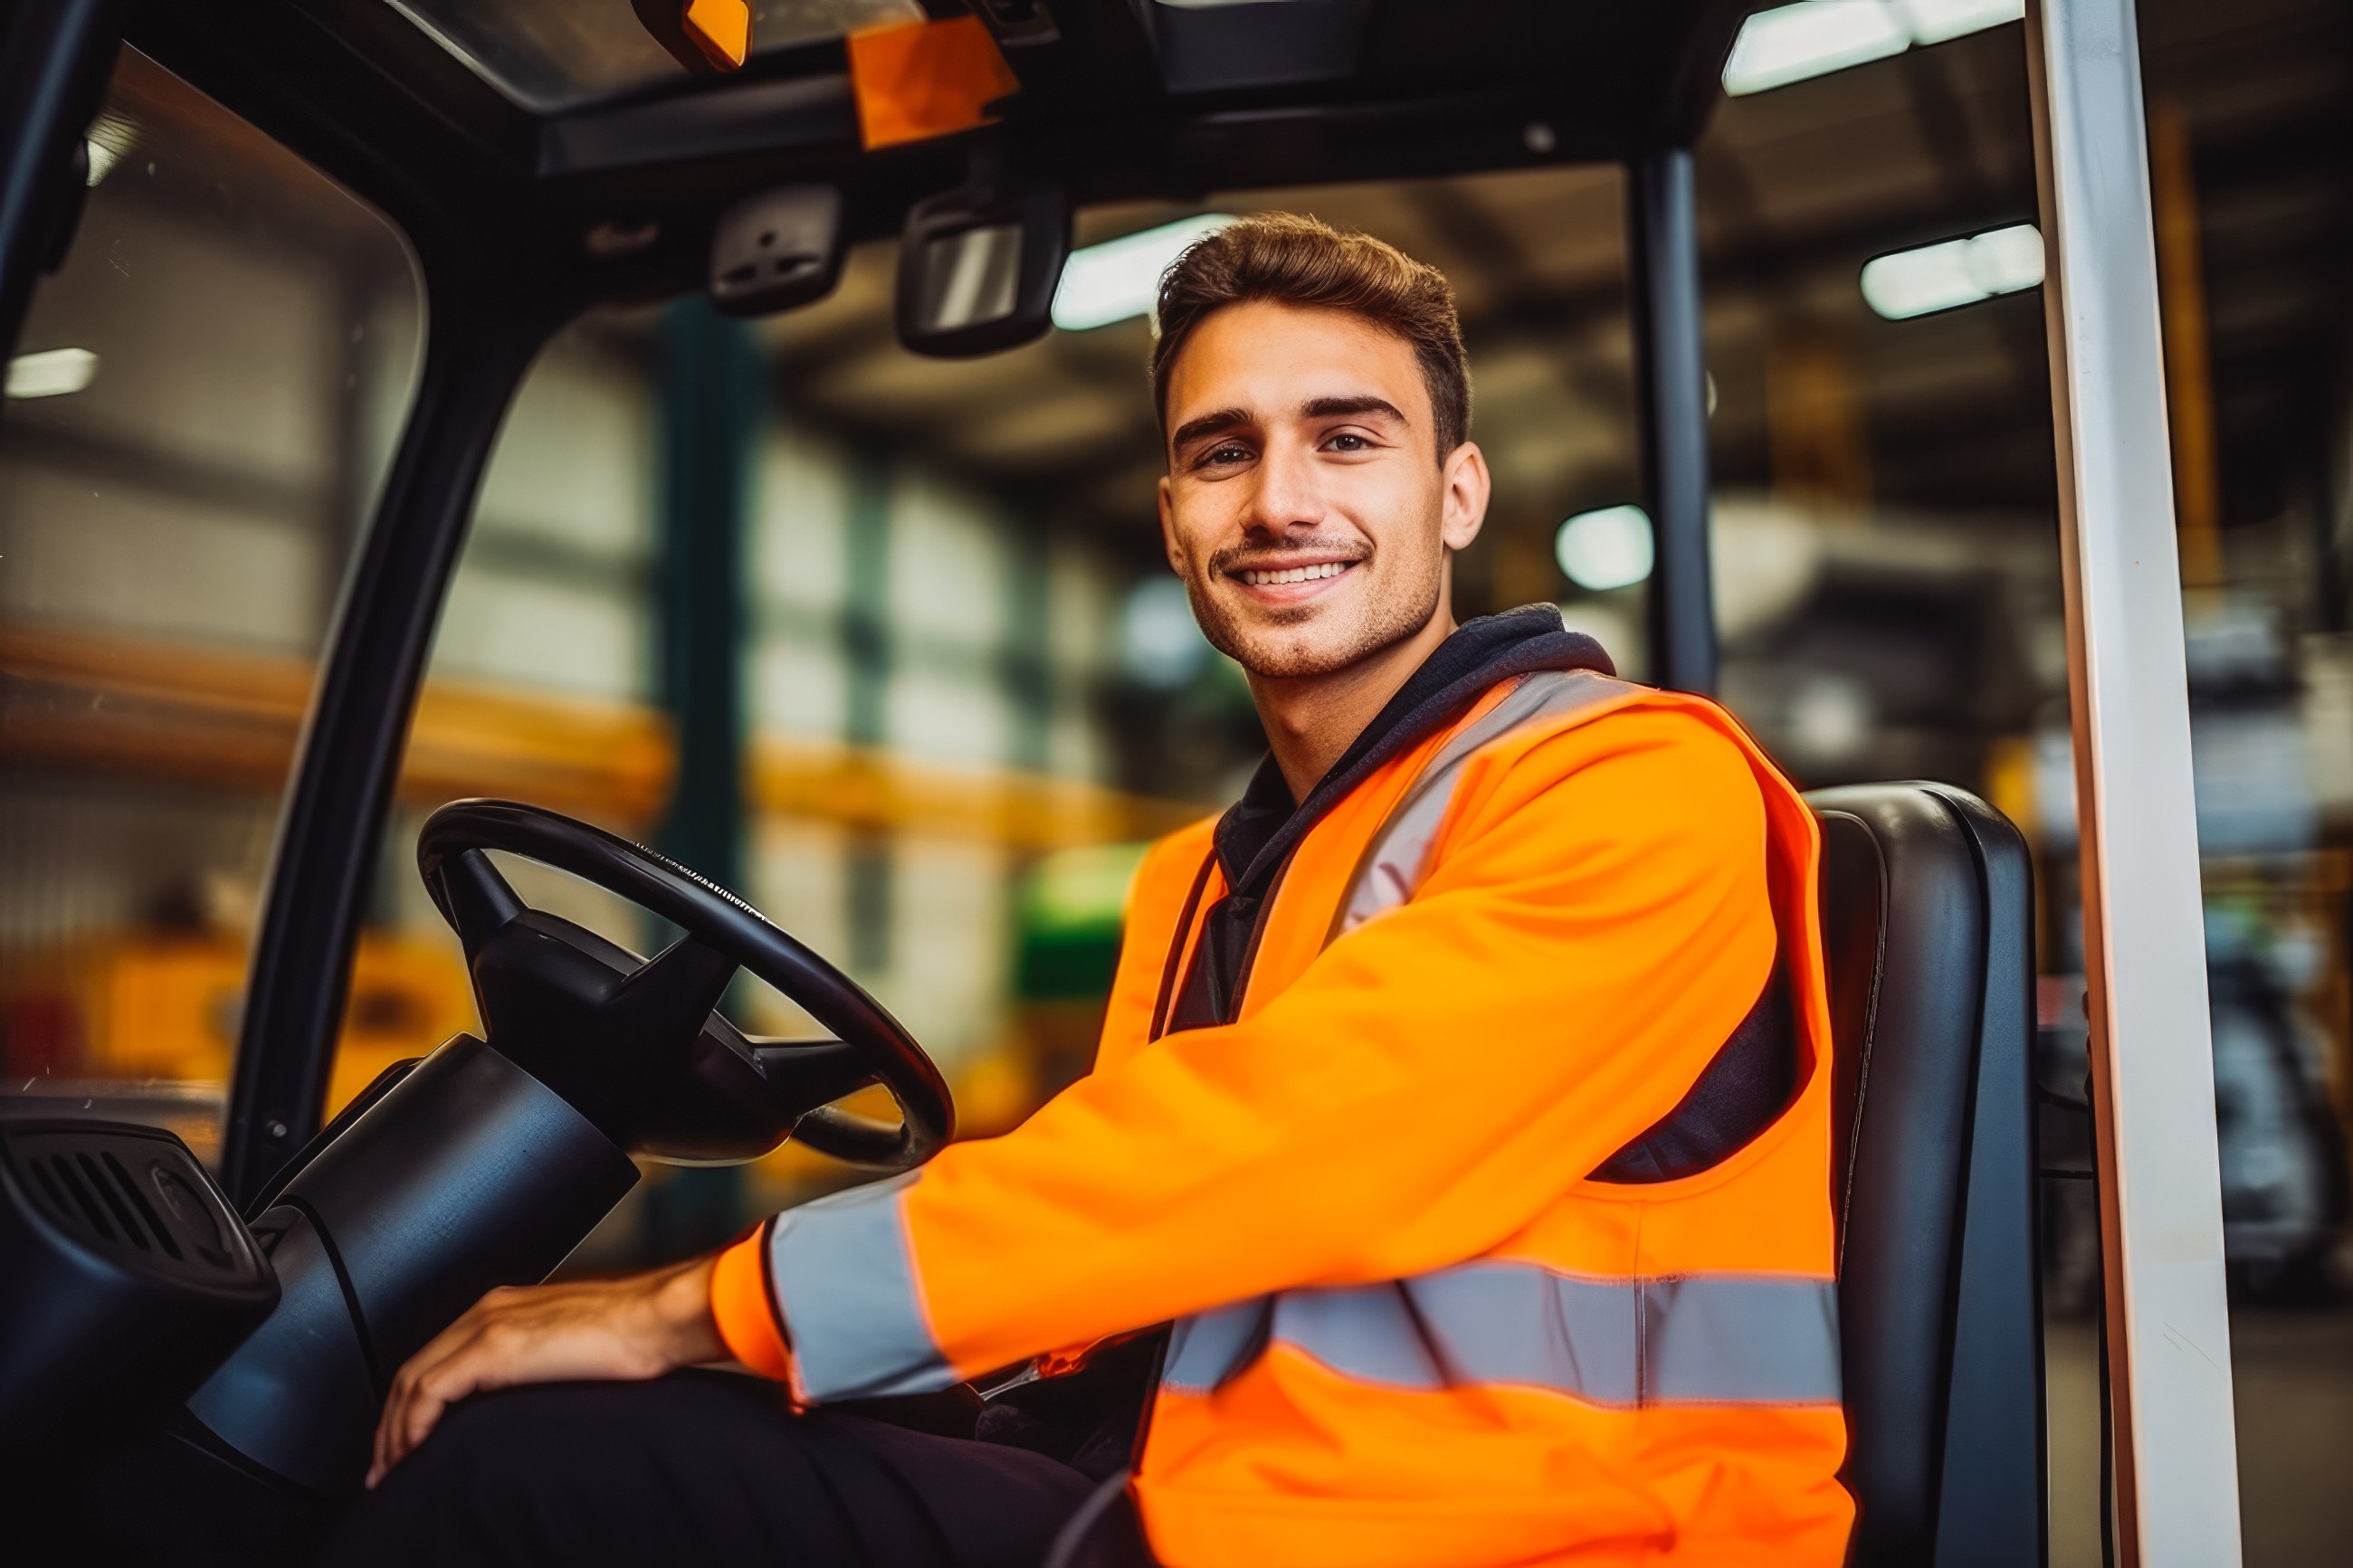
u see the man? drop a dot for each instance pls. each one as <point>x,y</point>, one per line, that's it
<point>1462,1102</point>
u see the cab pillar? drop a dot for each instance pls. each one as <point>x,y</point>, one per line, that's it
<point>2176,1498</point>
<point>1671,393</point>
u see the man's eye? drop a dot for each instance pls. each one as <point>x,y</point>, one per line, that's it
<point>1344,442</point>
<point>1227,452</point>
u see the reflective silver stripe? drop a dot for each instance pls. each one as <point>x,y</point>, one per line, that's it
<point>848,1290</point>
<point>1692,1338</point>
<point>1395,861</point>
<point>1740,1339</point>
<point>1207,1348</point>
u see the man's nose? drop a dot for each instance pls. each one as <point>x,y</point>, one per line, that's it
<point>1288,495</point>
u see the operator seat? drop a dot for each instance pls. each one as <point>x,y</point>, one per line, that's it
<point>1928,929</point>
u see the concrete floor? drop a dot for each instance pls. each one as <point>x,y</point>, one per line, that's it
<point>2293,1372</point>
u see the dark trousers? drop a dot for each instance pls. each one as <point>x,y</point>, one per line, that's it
<point>708,1468</point>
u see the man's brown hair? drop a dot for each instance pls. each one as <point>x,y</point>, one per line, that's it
<point>1296,261</point>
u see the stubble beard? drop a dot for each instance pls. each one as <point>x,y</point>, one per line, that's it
<point>1283,644</point>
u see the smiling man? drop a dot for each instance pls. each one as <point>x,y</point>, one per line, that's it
<point>1451,1187</point>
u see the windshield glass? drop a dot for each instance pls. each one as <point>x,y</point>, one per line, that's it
<point>199,413</point>
<point>553,54</point>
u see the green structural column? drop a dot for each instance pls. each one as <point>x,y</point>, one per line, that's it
<point>714,405</point>
<point>870,880</point>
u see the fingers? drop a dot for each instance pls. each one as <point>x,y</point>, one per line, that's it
<point>422,1413</point>
<point>424,1392</point>
<point>641,1326</point>
<point>420,1391</point>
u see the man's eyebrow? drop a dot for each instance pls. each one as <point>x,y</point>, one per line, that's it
<point>1341,408</point>
<point>1207,424</point>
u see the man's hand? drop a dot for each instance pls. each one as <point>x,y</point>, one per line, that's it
<point>636,1327</point>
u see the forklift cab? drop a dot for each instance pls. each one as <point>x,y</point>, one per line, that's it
<point>537,172</point>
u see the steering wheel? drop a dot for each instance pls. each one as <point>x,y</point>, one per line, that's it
<point>633,1043</point>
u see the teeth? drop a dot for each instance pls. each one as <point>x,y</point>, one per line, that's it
<point>1295,574</point>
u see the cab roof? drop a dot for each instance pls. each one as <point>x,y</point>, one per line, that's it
<point>466,118</point>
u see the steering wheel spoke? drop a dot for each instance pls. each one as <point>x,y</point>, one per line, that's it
<point>806,1074</point>
<point>474,898</point>
<point>684,981</point>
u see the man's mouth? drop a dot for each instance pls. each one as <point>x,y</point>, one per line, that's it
<point>1273,576</point>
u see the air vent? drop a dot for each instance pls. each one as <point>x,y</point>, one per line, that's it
<point>69,1199</point>
<point>110,1195</point>
<point>127,1195</point>
<point>142,1272</point>
<point>190,1214</point>
<point>130,1189</point>
<point>97,1197</point>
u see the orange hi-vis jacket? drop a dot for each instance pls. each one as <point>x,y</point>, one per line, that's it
<point>1414,1328</point>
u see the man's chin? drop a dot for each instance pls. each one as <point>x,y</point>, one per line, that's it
<point>1301,657</point>
<point>1324,637</point>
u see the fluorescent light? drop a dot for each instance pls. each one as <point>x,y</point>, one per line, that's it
<point>1815,38</point>
<point>52,373</point>
<point>1933,21</point>
<point>1120,278</point>
<point>1606,549</point>
<point>1954,272</point>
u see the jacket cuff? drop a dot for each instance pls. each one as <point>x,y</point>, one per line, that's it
<point>744,1308</point>
<point>844,1278</point>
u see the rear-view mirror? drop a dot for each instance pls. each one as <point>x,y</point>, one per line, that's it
<point>978,265</point>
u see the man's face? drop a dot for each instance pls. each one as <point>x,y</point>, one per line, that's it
<point>1306,505</point>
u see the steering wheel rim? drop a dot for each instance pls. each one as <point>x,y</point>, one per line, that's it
<point>475,900</point>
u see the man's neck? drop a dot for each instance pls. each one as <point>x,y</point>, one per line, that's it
<point>1311,720</point>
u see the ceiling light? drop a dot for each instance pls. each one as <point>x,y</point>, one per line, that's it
<point>52,373</point>
<point>1606,549</point>
<point>1933,21</point>
<point>1814,37</point>
<point>1120,278</point>
<point>1829,718</point>
<point>1954,272</point>
<point>1160,644</point>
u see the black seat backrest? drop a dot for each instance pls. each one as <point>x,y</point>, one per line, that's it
<point>1928,928</point>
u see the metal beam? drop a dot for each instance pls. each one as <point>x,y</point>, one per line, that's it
<point>2176,1498</point>
<point>1670,395</point>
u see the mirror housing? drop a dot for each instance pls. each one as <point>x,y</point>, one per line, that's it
<point>776,250</point>
<point>978,267</point>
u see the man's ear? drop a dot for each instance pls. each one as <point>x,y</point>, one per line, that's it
<point>1468,485</point>
<point>1169,528</point>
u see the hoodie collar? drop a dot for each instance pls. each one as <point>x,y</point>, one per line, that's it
<point>1258,832</point>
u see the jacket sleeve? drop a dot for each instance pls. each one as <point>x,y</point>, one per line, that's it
<point>1597,922</point>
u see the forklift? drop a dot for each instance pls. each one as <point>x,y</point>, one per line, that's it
<point>192,1361</point>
